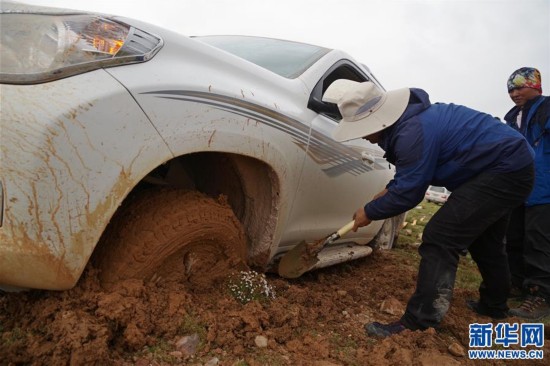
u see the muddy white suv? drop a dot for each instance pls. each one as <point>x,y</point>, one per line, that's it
<point>154,154</point>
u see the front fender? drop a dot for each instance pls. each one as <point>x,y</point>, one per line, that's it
<point>71,150</point>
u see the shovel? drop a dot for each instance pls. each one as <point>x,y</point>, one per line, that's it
<point>303,256</point>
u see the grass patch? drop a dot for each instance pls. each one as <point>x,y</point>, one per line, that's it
<point>274,360</point>
<point>467,275</point>
<point>159,352</point>
<point>344,347</point>
<point>190,325</point>
<point>417,218</point>
<point>410,236</point>
<point>240,363</point>
<point>13,336</point>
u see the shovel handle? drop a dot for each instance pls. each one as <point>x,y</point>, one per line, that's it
<point>346,228</point>
<point>335,236</point>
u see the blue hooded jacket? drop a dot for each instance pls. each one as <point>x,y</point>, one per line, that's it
<point>535,127</point>
<point>443,145</point>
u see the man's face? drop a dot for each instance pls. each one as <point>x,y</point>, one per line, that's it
<point>374,138</point>
<point>520,96</point>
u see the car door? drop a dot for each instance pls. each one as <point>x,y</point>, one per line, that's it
<point>337,178</point>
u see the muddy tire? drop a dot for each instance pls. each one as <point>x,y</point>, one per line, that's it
<point>172,235</point>
<point>386,237</point>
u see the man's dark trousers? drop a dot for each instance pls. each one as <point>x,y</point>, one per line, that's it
<point>474,218</point>
<point>528,248</point>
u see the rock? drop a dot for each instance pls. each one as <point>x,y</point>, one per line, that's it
<point>261,341</point>
<point>341,293</point>
<point>392,306</point>
<point>213,362</point>
<point>430,331</point>
<point>457,350</point>
<point>188,344</point>
<point>177,354</point>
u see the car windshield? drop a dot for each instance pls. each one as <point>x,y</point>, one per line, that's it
<point>286,58</point>
<point>437,189</point>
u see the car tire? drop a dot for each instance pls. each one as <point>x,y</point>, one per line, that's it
<point>386,237</point>
<point>172,235</point>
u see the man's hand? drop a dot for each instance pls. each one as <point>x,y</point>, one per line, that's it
<point>360,216</point>
<point>361,219</point>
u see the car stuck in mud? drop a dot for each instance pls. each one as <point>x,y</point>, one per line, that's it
<point>155,155</point>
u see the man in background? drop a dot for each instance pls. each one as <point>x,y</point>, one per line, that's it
<point>528,236</point>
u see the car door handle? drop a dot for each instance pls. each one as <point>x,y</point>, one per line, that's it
<point>367,158</point>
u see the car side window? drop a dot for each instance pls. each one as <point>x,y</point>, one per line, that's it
<point>341,70</point>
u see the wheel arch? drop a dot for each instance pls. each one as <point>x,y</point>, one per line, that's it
<point>252,188</point>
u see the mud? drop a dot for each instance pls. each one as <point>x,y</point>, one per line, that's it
<point>314,320</point>
<point>317,319</point>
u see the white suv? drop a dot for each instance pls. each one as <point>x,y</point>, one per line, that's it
<point>437,194</point>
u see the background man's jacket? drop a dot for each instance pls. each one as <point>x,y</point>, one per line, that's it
<point>536,129</point>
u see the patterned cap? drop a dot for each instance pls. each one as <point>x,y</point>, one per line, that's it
<point>526,77</point>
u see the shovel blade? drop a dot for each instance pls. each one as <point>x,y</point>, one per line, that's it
<point>297,261</point>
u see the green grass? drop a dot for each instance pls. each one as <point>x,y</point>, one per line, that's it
<point>191,325</point>
<point>417,218</point>
<point>159,352</point>
<point>240,363</point>
<point>410,237</point>
<point>467,275</point>
<point>270,359</point>
<point>13,336</point>
<point>345,347</point>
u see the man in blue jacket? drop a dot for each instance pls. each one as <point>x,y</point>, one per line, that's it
<point>487,165</point>
<point>528,236</point>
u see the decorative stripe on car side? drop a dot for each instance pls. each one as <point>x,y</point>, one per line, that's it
<point>323,150</point>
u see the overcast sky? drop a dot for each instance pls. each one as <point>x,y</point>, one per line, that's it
<point>459,51</point>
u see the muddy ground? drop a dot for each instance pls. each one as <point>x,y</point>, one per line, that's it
<point>317,319</point>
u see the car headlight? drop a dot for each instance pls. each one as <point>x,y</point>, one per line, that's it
<point>37,48</point>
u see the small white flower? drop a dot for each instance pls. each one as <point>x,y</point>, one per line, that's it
<point>250,285</point>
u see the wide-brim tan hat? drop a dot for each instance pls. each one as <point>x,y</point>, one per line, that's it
<point>365,108</point>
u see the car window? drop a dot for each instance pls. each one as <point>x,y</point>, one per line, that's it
<point>286,58</point>
<point>437,189</point>
<point>343,69</point>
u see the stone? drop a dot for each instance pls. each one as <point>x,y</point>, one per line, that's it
<point>260,341</point>
<point>457,350</point>
<point>392,306</point>
<point>188,344</point>
<point>213,362</point>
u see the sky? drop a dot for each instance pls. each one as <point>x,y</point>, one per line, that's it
<point>459,51</point>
